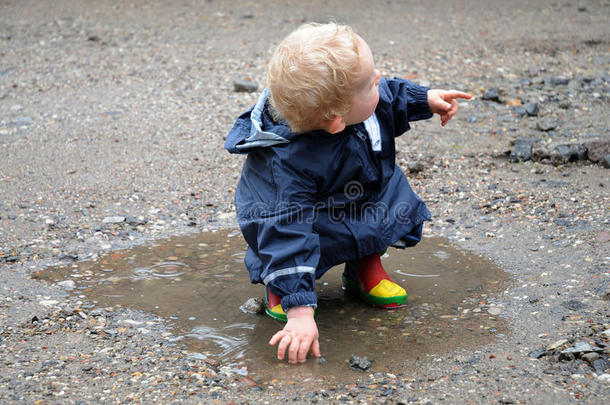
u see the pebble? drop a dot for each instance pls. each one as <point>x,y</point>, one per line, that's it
<point>247,86</point>
<point>67,284</point>
<point>571,153</point>
<point>415,166</point>
<point>522,151</point>
<point>492,94</point>
<point>531,109</point>
<point>253,305</point>
<point>590,357</point>
<point>113,220</point>
<point>556,345</point>
<point>547,124</point>
<point>604,378</point>
<point>573,305</point>
<point>359,363</point>
<point>580,347</point>
<point>495,310</point>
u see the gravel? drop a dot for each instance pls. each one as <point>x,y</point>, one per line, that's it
<point>112,121</point>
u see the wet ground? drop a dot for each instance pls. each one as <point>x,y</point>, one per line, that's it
<point>112,122</point>
<point>198,283</point>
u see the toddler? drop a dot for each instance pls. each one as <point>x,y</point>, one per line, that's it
<point>320,186</point>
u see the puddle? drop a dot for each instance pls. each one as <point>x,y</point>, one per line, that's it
<point>199,282</point>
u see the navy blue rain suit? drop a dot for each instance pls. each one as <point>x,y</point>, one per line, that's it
<point>308,201</point>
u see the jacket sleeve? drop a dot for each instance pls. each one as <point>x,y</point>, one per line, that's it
<point>280,233</point>
<point>409,103</point>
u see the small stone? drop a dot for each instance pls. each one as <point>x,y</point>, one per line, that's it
<point>531,109</point>
<point>513,102</point>
<point>533,300</point>
<point>605,334</point>
<point>492,94</point>
<point>245,86</point>
<point>253,305</point>
<point>537,353</point>
<point>581,347</point>
<point>570,153</point>
<point>67,284</point>
<point>590,357</point>
<point>359,363</point>
<point>212,362</point>
<point>522,151</point>
<point>600,366</point>
<point>113,220</point>
<point>596,150</point>
<point>604,377</point>
<point>495,310</point>
<point>518,111</point>
<point>573,305</point>
<point>556,345</point>
<point>558,81</point>
<point>547,124</point>
<point>133,221</point>
<point>415,166</point>
<point>606,161</point>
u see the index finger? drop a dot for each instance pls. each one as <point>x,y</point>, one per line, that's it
<point>457,94</point>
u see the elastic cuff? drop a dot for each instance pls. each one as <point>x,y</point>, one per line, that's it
<point>300,299</point>
<point>420,110</point>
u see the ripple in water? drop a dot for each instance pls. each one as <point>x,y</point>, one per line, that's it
<point>232,344</point>
<point>163,270</point>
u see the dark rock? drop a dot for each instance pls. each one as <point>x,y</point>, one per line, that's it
<point>415,167</point>
<point>573,305</point>
<point>568,153</point>
<point>547,124</point>
<point>597,150</point>
<point>133,221</point>
<point>557,81</point>
<point>518,111</point>
<point>600,365</point>
<point>246,86</point>
<point>492,94</point>
<point>522,151</point>
<point>537,353</point>
<point>534,300</point>
<point>359,363</point>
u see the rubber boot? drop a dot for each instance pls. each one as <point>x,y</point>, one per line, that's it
<point>368,278</point>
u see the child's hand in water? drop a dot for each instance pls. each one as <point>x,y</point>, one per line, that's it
<point>443,103</point>
<point>299,336</point>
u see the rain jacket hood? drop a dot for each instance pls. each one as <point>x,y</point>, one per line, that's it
<point>306,202</point>
<point>256,129</point>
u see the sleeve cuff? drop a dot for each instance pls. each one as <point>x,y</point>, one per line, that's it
<point>420,109</point>
<point>300,299</point>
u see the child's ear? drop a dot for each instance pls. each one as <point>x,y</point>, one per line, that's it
<point>335,125</point>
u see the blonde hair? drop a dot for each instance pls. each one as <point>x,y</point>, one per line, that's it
<point>312,73</point>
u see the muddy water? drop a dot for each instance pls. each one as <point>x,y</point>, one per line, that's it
<point>199,282</point>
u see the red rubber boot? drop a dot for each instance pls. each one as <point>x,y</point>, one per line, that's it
<point>368,278</point>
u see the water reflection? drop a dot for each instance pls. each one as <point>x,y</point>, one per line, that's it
<point>198,282</point>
